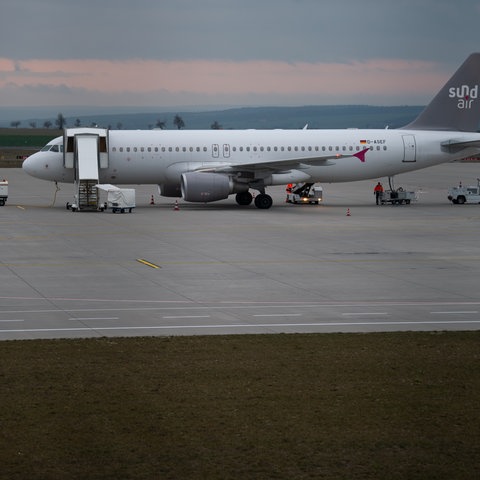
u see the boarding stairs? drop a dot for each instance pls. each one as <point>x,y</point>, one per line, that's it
<point>85,151</point>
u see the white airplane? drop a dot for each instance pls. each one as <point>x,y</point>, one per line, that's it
<point>210,165</point>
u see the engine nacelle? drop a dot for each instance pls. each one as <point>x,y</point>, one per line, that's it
<point>170,190</point>
<point>205,187</point>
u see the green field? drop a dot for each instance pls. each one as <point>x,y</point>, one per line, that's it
<point>18,143</point>
<point>26,137</point>
<point>339,406</point>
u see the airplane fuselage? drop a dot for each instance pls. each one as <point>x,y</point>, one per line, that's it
<point>160,156</point>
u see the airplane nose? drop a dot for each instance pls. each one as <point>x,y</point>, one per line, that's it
<point>28,165</point>
<point>37,166</point>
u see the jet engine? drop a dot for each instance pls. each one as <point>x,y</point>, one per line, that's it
<point>170,190</point>
<point>205,187</point>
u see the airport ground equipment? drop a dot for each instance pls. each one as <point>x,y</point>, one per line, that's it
<point>3,192</point>
<point>117,199</point>
<point>85,151</point>
<point>304,193</point>
<point>398,197</point>
<point>460,195</point>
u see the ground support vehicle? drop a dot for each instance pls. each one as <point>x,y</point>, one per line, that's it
<point>304,193</point>
<point>460,195</point>
<point>3,192</point>
<point>117,199</point>
<point>398,197</point>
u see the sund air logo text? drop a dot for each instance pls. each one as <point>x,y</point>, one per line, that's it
<point>465,95</point>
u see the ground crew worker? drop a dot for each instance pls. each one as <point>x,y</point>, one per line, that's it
<point>378,191</point>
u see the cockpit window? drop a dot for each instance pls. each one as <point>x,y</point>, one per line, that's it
<point>52,148</point>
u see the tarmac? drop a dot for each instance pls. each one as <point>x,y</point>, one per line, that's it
<point>219,268</point>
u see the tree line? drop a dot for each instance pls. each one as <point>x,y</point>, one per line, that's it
<point>61,122</point>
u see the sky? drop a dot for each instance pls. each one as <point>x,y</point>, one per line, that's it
<point>222,53</point>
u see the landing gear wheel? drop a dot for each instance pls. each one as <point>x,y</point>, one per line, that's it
<point>244,198</point>
<point>263,201</point>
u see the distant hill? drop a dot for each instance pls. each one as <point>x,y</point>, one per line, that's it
<point>327,116</point>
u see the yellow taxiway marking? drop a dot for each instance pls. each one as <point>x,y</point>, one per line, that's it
<point>20,207</point>
<point>141,260</point>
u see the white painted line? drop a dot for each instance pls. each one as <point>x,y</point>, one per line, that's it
<point>243,325</point>
<point>473,312</point>
<point>12,320</point>
<point>92,318</point>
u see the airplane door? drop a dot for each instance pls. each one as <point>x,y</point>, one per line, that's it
<point>410,148</point>
<point>226,151</point>
<point>215,150</point>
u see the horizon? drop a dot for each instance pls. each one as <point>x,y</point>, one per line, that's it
<point>48,111</point>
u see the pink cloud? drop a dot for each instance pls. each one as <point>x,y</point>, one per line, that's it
<point>324,80</point>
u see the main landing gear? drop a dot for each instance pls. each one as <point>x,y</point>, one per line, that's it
<point>262,201</point>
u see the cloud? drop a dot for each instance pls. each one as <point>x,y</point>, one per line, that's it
<point>387,81</point>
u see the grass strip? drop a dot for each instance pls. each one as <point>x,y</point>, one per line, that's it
<point>327,406</point>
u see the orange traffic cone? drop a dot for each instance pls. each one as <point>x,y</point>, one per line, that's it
<point>348,212</point>
<point>176,207</point>
<point>152,201</point>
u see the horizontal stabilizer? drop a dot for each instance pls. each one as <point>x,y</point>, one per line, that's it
<point>456,145</point>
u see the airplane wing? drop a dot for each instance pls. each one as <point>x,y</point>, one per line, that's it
<point>286,164</point>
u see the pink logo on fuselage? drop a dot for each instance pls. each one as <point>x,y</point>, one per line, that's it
<point>361,154</point>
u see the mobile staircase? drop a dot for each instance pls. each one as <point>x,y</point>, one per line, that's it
<point>86,151</point>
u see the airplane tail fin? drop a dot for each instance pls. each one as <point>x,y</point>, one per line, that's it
<point>457,106</point>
